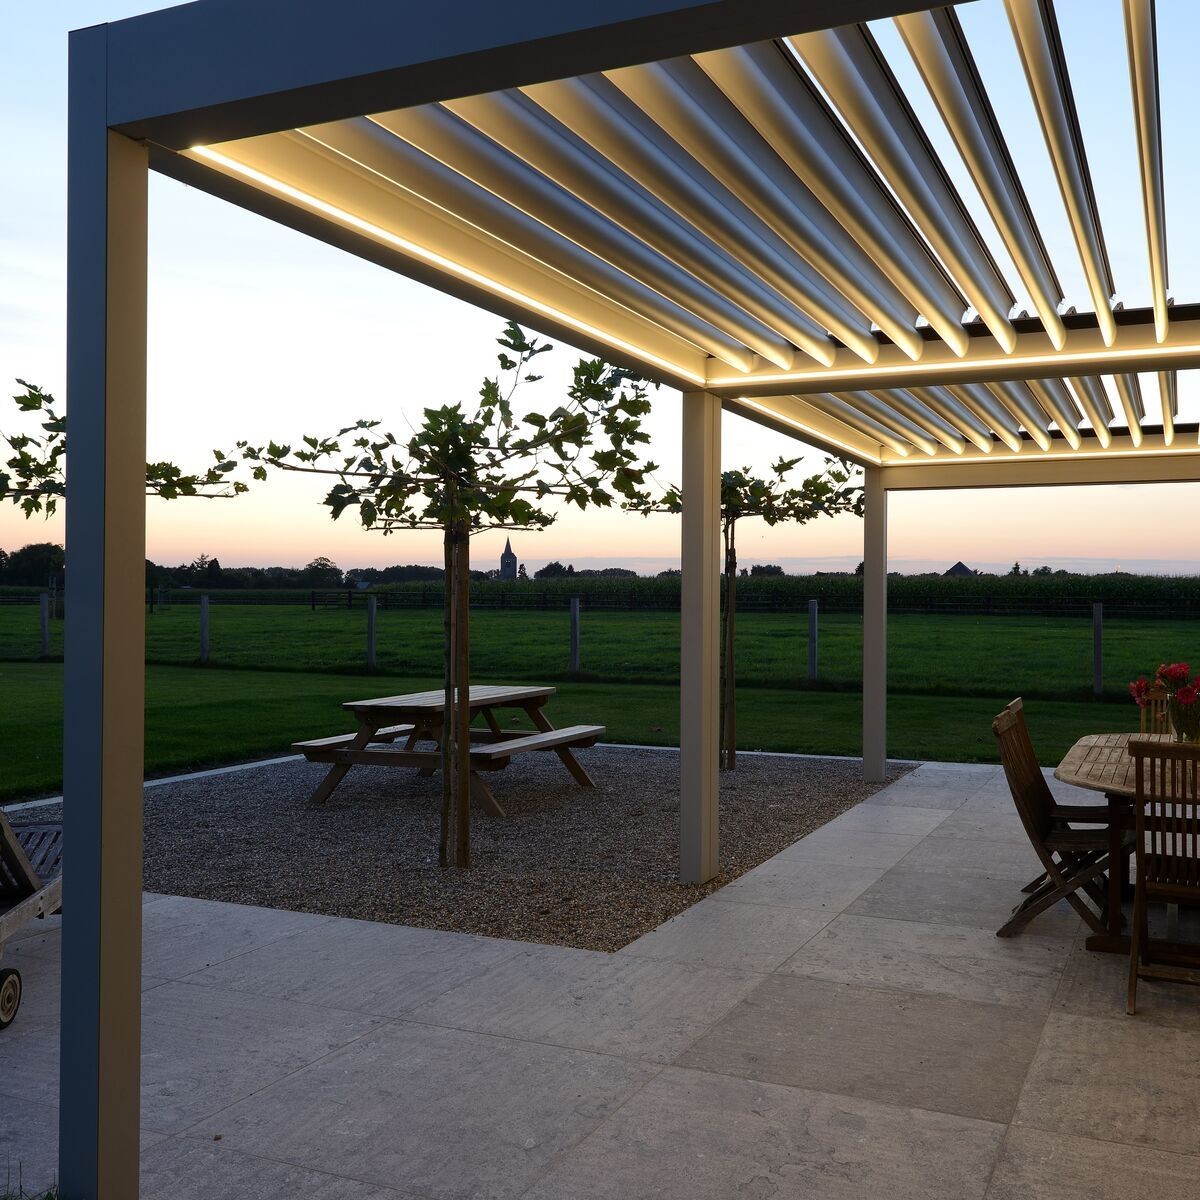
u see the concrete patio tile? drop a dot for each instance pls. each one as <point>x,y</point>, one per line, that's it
<point>38,937</point>
<point>693,1136</point>
<point>182,1169</point>
<point>203,1048</point>
<point>1035,1165</point>
<point>813,886</point>
<point>745,937</point>
<point>851,847</point>
<point>587,1000</point>
<point>990,860</point>
<point>922,1051</point>
<point>28,1141</point>
<point>440,1112</point>
<point>360,965</point>
<point>1116,1079</point>
<point>1095,985</point>
<point>879,818</point>
<point>920,795</point>
<point>952,960</point>
<point>181,935</point>
<point>988,826</point>
<point>939,897</point>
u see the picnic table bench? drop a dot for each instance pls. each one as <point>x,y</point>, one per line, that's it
<point>419,717</point>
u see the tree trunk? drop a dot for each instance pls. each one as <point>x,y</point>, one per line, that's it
<point>729,658</point>
<point>462,670</point>
<point>447,745</point>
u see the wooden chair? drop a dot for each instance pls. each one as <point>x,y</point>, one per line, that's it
<point>30,887</point>
<point>1156,715</point>
<point>1073,860</point>
<point>1167,849</point>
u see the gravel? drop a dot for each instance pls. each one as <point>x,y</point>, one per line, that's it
<point>569,866</point>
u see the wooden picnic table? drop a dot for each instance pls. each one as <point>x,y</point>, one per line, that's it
<point>419,717</point>
<point>1100,762</point>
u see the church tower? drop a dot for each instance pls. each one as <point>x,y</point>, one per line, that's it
<point>508,561</point>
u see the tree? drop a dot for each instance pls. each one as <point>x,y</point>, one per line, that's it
<point>35,564</point>
<point>1042,571</point>
<point>33,475</point>
<point>470,468</point>
<point>522,573</point>
<point>760,569</point>
<point>773,500</point>
<point>322,572</point>
<point>554,570</point>
<point>1016,570</point>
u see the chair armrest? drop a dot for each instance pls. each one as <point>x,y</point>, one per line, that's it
<point>1085,814</point>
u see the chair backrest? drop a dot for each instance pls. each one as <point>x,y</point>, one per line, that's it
<point>1156,713</point>
<point>1030,792</point>
<point>18,879</point>
<point>1167,806</point>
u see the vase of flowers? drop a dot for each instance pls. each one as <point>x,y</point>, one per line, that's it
<point>1182,692</point>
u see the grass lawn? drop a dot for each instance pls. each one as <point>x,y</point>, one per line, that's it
<point>199,717</point>
<point>932,654</point>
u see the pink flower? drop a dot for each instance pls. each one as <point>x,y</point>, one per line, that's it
<point>1175,675</point>
<point>1186,695</point>
<point>1138,689</point>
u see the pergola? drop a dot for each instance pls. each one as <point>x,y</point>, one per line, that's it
<point>730,197</point>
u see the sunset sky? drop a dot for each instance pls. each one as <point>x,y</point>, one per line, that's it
<point>257,332</point>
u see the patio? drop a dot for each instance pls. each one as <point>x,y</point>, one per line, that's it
<point>837,1022</point>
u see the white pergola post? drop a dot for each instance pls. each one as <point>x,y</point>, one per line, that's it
<point>105,642</point>
<point>699,649</point>
<point>874,691</point>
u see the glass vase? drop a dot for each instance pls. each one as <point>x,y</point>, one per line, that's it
<point>1185,720</point>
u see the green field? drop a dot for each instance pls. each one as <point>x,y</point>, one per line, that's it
<point>198,717</point>
<point>279,673</point>
<point>1048,657</point>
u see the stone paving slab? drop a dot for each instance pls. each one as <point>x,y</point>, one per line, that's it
<point>693,1136</point>
<point>916,1050</point>
<point>839,1023</point>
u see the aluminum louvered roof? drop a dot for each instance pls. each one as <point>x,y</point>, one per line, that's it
<point>773,222</point>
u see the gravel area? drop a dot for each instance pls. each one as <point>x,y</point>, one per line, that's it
<point>569,866</point>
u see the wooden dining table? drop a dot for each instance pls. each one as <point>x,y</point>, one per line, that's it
<point>1100,762</point>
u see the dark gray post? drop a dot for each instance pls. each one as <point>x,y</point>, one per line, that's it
<point>100,1034</point>
<point>370,633</point>
<point>574,635</point>
<point>1097,649</point>
<point>812,641</point>
<point>204,629</point>
<point>44,604</point>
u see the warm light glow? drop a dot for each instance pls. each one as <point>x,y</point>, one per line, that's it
<point>828,381</point>
<point>437,260</point>
<point>1043,456</point>
<point>775,416</point>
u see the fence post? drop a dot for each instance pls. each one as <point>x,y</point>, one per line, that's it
<point>1097,649</point>
<point>203,629</point>
<point>574,635</point>
<point>812,641</point>
<point>44,598</point>
<point>370,633</point>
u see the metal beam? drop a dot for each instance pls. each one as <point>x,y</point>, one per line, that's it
<point>99,1095</point>
<point>221,69</point>
<point>1154,463</point>
<point>699,627</point>
<point>1135,349</point>
<point>796,417</point>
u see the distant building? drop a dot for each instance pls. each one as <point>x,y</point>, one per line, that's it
<point>508,561</point>
<point>960,568</point>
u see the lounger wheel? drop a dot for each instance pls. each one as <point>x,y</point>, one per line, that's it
<point>10,996</point>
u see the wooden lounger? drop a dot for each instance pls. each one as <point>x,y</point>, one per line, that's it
<point>30,888</point>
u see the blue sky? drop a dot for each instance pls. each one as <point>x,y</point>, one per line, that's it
<point>256,331</point>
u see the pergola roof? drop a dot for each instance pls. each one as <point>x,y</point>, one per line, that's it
<point>772,222</point>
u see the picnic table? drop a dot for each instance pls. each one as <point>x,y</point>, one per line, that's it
<point>1100,762</point>
<point>419,717</point>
